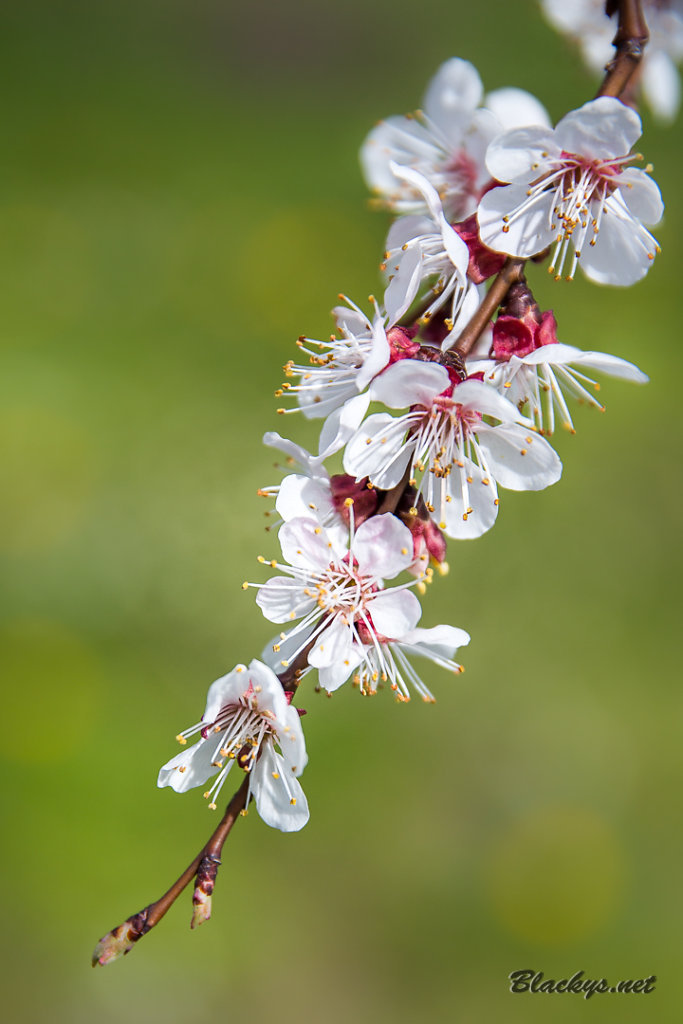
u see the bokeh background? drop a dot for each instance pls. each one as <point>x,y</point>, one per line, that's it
<point>180,200</point>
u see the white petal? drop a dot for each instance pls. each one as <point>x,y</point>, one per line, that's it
<point>268,692</point>
<point>528,232</point>
<point>399,139</point>
<point>305,544</point>
<point>372,453</point>
<point>624,251</point>
<point>600,128</point>
<point>519,460</point>
<point>456,249</point>
<point>333,645</point>
<point>661,85</point>
<point>443,641</point>
<point>452,96</point>
<point>226,690</point>
<point>394,613</point>
<point>410,382</point>
<point>406,275</point>
<point>516,108</point>
<point>383,546</point>
<point>470,519</point>
<point>341,424</point>
<point>280,800</point>
<point>301,496</point>
<point>290,737</point>
<point>641,194</point>
<point>282,600</point>
<point>421,185</point>
<point>311,464</point>
<point>482,398</point>
<point>613,366</point>
<point>353,322</point>
<point>196,766</point>
<point>331,677</point>
<point>513,154</point>
<point>376,359</point>
<point>560,354</point>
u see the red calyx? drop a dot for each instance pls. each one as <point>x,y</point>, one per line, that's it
<point>401,343</point>
<point>521,327</point>
<point>364,498</point>
<point>483,262</point>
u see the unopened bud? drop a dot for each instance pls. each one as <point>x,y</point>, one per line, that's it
<point>121,940</point>
<point>203,889</point>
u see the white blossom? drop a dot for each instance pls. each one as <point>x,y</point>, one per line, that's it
<point>571,188</point>
<point>247,717</point>
<point>445,440</point>
<point>425,248</point>
<point>446,141</point>
<point>349,622</point>
<point>540,382</point>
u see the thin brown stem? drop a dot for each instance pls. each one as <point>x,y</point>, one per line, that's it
<point>511,272</point>
<point>121,939</point>
<point>630,39</point>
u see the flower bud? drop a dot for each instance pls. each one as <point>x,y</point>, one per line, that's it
<point>203,889</point>
<point>121,940</point>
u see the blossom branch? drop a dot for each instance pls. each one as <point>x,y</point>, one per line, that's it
<point>121,940</point>
<point>630,40</point>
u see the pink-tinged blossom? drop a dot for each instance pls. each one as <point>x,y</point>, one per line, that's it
<point>247,718</point>
<point>586,22</point>
<point>445,142</point>
<point>426,251</point>
<point>341,368</point>
<point>453,453</point>
<point>330,500</point>
<point>539,379</point>
<point>349,622</point>
<point>571,189</point>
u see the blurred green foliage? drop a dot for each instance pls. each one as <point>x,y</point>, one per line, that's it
<point>180,199</point>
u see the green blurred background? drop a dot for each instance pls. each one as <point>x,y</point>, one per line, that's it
<point>181,199</point>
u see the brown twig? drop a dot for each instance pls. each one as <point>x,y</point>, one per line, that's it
<point>121,940</point>
<point>511,272</point>
<point>630,39</point>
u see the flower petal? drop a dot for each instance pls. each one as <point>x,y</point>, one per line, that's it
<point>641,194</point>
<point>519,460</point>
<point>377,450</point>
<point>452,96</point>
<point>281,599</point>
<point>331,677</point>
<point>473,505</point>
<point>280,800</point>
<point>333,645</point>
<point>190,768</point>
<point>383,546</point>
<point>410,382</point>
<point>516,108</point>
<point>443,640</point>
<point>305,544</point>
<point>394,613</point>
<point>514,153</point>
<point>601,128</point>
<point>528,232</point>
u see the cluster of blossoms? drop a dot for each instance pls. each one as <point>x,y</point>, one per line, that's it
<point>478,184</point>
<point>473,180</point>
